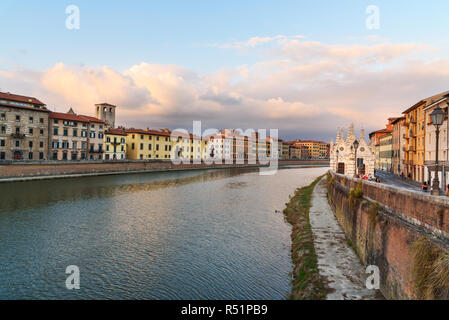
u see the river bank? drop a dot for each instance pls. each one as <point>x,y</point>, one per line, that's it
<point>28,171</point>
<point>324,264</point>
<point>307,283</point>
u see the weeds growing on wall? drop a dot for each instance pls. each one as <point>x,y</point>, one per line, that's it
<point>430,270</point>
<point>354,195</point>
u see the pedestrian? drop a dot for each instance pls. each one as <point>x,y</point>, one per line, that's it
<point>425,187</point>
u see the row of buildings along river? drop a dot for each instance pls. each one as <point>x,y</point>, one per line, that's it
<point>407,146</point>
<point>31,132</point>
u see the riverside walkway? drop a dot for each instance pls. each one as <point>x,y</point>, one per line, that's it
<point>337,261</point>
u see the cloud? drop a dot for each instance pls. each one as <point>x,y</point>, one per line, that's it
<point>253,42</point>
<point>306,90</point>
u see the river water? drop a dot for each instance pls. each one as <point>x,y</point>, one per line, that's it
<point>216,234</point>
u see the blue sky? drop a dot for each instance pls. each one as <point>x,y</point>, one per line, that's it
<point>168,60</point>
<point>121,34</point>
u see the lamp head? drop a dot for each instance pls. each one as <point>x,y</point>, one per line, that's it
<point>437,116</point>
<point>356,144</point>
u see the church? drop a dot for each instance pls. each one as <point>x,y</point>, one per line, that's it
<point>343,154</point>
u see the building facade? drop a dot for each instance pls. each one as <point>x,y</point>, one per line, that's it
<point>115,144</point>
<point>313,149</point>
<point>443,145</point>
<point>75,137</point>
<point>386,152</point>
<point>148,144</point>
<point>345,159</point>
<point>23,128</point>
<point>398,146</point>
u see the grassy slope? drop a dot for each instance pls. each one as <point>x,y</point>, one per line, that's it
<point>307,282</point>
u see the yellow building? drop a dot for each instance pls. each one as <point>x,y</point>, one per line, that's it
<point>285,151</point>
<point>313,149</point>
<point>415,122</point>
<point>188,146</point>
<point>115,144</point>
<point>148,144</point>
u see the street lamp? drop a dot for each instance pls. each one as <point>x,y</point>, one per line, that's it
<point>356,146</point>
<point>437,117</point>
<point>336,165</point>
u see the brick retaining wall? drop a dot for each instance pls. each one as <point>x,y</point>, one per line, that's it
<point>56,168</point>
<point>384,235</point>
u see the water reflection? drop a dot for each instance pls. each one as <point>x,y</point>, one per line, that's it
<point>32,194</point>
<point>174,235</point>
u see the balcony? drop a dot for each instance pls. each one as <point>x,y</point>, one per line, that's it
<point>96,151</point>
<point>18,135</point>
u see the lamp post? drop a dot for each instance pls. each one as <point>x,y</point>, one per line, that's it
<point>356,146</point>
<point>336,165</point>
<point>437,116</point>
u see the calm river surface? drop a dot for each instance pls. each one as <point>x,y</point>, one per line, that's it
<point>176,235</point>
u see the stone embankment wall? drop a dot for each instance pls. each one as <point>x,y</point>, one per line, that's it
<point>58,168</point>
<point>404,233</point>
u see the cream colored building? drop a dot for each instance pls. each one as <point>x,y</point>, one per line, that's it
<point>386,152</point>
<point>430,143</point>
<point>343,154</point>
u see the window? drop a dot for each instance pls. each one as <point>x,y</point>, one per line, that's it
<point>55,131</point>
<point>132,146</point>
<point>2,155</point>
<point>92,134</point>
<point>100,135</point>
<point>55,121</point>
<point>75,132</point>
<point>3,116</point>
<point>30,155</point>
<point>66,132</point>
<point>108,139</point>
<point>149,146</point>
<point>141,146</point>
<point>157,147</point>
<point>107,147</point>
<point>30,131</point>
<point>41,120</point>
<point>17,118</point>
<point>41,132</point>
<point>2,143</point>
<point>55,156</point>
<point>17,130</point>
<point>3,129</point>
<point>74,145</point>
<point>41,144</point>
<point>122,140</point>
<point>157,138</point>
<point>31,119</point>
<point>41,155</point>
<point>83,134</point>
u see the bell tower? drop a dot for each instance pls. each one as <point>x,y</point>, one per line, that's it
<point>106,112</point>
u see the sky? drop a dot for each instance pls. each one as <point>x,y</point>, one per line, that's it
<point>303,67</point>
